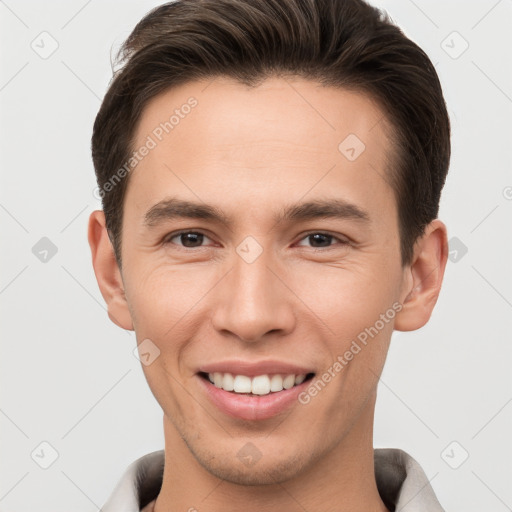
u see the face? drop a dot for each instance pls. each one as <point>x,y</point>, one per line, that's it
<point>255,245</point>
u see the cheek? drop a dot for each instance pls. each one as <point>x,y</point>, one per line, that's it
<point>354,309</point>
<point>165,299</point>
<point>167,304</point>
<point>346,300</point>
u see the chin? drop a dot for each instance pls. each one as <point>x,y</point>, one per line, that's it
<point>250,467</point>
<point>255,475</point>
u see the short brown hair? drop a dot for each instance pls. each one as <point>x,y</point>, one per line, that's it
<point>343,43</point>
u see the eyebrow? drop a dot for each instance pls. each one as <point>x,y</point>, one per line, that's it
<point>173,208</point>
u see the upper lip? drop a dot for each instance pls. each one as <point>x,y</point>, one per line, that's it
<point>254,368</point>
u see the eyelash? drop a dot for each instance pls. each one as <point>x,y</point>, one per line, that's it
<point>167,239</point>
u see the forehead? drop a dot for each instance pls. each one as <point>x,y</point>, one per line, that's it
<point>223,106</point>
<point>222,141</point>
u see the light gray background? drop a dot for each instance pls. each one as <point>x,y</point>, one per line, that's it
<point>68,375</point>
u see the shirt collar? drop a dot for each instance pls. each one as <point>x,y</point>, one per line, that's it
<point>401,482</point>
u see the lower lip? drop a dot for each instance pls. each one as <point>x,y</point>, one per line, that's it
<point>247,407</point>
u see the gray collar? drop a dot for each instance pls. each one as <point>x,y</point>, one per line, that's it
<point>401,482</point>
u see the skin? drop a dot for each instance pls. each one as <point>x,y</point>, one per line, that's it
<point>251,152</point>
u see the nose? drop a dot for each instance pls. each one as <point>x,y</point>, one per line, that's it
<point>253,301</point>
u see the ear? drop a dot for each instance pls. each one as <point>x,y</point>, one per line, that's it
<point>107,271</point>
<point>423,278</point>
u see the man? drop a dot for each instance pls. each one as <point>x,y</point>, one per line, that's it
<point>271,174</point>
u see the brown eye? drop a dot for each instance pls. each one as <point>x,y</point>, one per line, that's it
<point>188,239</point>
<point>320,240</point>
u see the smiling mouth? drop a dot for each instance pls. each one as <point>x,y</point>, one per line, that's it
<point>255,386</point>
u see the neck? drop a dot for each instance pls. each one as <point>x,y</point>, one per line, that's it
<point>343,480</point>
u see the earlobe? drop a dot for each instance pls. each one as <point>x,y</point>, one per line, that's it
<point>107,271</point>
<point>422,283</point>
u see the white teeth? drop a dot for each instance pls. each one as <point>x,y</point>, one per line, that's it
<point>228,384</point>
<point>217,379</point>
<point>259,385</point>
<point>276,383</point>
<point>242,384</point>
<point>288,381</point>
<point>300,379</point>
